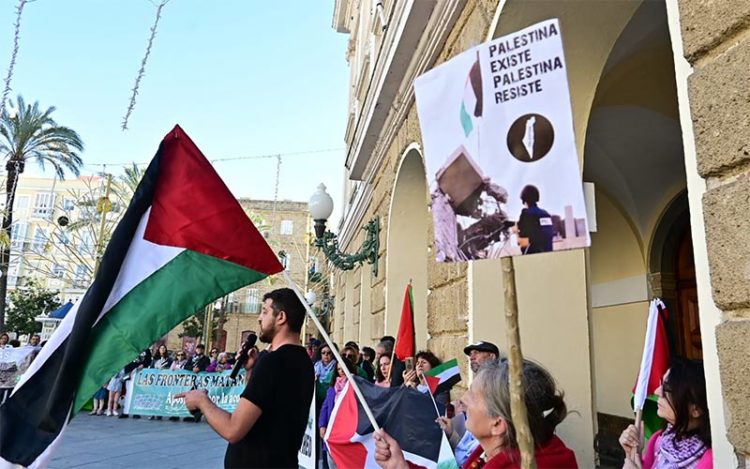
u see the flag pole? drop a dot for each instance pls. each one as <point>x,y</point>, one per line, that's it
<point>329,342</point>
<point>429,391</point>
<point>515,364</point>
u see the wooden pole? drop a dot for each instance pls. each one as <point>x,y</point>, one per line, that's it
<point>515,364</point>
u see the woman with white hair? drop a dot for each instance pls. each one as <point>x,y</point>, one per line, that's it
<point>488,419</point>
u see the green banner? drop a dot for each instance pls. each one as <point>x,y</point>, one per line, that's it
<point>151,392</point>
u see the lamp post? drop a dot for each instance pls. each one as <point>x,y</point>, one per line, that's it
<point>321,207</point>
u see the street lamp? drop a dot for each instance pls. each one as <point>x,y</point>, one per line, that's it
<point>310,297</point>
<point>321,207</point>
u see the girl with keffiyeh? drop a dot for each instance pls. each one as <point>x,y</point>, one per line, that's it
<point>686,441</point>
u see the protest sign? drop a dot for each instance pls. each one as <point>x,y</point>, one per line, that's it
<point>306,455</point>
<point>500,150</point>
<point>13,362</point>
<point>151,392</point>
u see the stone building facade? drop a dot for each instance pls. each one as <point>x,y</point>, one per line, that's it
<point>286,226</point>
<point>659,99</point>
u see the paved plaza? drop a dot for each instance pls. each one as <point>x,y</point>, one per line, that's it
<point>109,442</point>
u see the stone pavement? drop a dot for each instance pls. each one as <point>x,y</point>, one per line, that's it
<point>109,442</point>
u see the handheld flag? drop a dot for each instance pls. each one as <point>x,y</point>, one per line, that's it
<point>655,359</point>
<point>405,346</point>
<point>443,377</point>
<point>406,414</point>
<point>183,242</point>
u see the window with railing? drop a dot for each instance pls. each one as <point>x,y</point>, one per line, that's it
<point>252,301</point>
<point>17,234</point>
<point>58,271</point>
<point>40,239</point>
<point>44,205</point>
<point>81,276</point>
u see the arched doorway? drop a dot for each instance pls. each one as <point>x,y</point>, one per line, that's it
<point>672,277</point>
<point>408,225</point>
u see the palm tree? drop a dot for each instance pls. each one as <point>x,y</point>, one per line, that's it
<point>31,134</point>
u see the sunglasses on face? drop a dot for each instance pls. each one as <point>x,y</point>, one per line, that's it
<point>326,353</point>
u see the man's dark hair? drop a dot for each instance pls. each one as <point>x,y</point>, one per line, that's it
<point>200,346</point>
<point>530,195</point>
<point>388,338</point>
<point>284,299</point>
<point>369,353</point>
<point>352,344</point>
<point>686,385</point>
<point>387,347</point>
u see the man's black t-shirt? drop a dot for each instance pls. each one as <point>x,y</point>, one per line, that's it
<point>282,386</point>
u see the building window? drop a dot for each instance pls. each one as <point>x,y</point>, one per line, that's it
<point>22,202</point>
<point>79,281</point>
<point>40,239</point>
<point>252,301</point>
<point>58,271</point>
<point>43,205</point>
<point>63,238</point>
<point>287,227</point>
<point>285,260</point>
<point>85,247</point>
<point>18,234</point>
<point>68,204</point>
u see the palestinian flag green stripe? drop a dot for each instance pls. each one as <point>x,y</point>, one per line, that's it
<point>443,367</point>
<point>177,291</point>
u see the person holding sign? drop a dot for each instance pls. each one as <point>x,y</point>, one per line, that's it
<point>266,428</point>
<point>488,411</point>
<point>686,442</point>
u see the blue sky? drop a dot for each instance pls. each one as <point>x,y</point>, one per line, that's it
<point>242,77</point>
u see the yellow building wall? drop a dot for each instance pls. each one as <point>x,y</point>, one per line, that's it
<point>618,284</point>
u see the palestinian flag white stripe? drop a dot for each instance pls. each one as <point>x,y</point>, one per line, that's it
<point>443,377</point>
<point>142,260</point>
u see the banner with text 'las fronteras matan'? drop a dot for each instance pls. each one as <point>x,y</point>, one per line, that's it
<point>500,151</point>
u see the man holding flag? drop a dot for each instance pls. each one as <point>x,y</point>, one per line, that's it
<point>183,242</point>
<point>266,428</point>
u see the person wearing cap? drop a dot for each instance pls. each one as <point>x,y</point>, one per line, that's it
<point>481,352</point>
<point>465,444</point>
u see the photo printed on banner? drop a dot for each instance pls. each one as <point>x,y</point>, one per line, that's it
<point>499,149</point>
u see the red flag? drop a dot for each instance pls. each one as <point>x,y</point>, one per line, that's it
<point>405,346</point>
<point>655,360</point>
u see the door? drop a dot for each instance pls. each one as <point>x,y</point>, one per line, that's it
<point>688,322</point>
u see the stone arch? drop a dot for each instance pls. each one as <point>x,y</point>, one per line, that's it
<point>406,244</point>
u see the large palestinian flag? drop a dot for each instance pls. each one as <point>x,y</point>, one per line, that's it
<point>183,242</point>
<point>404,413</point>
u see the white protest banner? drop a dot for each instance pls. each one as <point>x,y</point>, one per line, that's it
<point>306,455</point>
<point>500,151</point>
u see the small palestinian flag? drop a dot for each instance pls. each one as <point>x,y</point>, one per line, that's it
<point>183,242</point>
<point>404,413</point>
<point>443,377</point>
<point>471,104</point>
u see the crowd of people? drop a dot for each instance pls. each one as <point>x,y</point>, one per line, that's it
<point>7,371</point>
<point>478,424</point>
<point>106,400</point>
